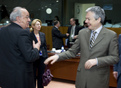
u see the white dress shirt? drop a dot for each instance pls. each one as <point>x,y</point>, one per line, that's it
<point>97,33</point>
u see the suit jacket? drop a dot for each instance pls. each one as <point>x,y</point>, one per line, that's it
<point>16,57</point>
<point>57,38</point>
<point>77,29</point>
<point>43,46</point>
<point>105,49</point>
<point>117,67</point>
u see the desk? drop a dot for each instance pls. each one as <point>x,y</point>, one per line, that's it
<point>67,69</point>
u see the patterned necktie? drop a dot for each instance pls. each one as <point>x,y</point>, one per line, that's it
<point>92,39</point>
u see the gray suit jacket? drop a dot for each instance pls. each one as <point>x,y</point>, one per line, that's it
<point>105,49</point>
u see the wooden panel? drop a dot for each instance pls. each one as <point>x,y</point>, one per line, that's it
<point>117,30</point>
<point>64,70</point>
<point>48,35</point>
<point>113,81</point>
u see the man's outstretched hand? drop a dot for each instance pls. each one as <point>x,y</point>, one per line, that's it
<point>51,59</point>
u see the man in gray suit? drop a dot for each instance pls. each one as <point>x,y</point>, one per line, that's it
<point>99,49</point>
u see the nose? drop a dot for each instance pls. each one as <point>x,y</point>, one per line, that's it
<point>29,19</point>
<point>86,20</point>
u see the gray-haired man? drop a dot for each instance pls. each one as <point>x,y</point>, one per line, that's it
<point>17,52</point>
<point>99,49</point>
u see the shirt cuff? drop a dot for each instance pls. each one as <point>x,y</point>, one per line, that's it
<point>57,55</point>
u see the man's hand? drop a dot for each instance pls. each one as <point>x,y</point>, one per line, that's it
<point>115,74</point>
<point>51,59</point>
<point>75,37</point>
<point>90,63</point>
<point>37,45</point>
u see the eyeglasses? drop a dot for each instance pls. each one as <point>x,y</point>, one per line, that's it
<point>27,17</point>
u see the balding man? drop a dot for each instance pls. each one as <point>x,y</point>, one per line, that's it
<point>72,31</point>
<point>17,52</point>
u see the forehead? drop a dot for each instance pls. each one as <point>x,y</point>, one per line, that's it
<point>90,14</point>
<point>37,22</point>
<point>24,12</point>
<point>71,19</point>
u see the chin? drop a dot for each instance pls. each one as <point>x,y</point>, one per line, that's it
<point>27,25</point>
<point>89,27</point>
<point>38,29</point>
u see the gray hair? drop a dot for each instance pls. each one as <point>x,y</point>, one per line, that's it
<point>99,12</point>
<point>15,13</point>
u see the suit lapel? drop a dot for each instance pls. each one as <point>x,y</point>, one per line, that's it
<point>75,30</point>
<point>88,36</point>
<point>34,37</point>
<point>99,37</point>
<point>41,37</point>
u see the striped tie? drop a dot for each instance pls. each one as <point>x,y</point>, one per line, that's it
<point>92,39</point>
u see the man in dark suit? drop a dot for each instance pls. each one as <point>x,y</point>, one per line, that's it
<point>73,32</point>
<point>117,67</point>
<point>17,52</point>
<point>57,36</point>
<point>99,49</point>
<point>85,25</point>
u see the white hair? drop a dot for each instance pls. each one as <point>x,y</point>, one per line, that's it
<point>99,12</point>
<point>15,13</point>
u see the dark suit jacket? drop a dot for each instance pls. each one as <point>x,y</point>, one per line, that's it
<point>105,49</point>
<point>117,67</point>
<point>43,46</point>
<point>57,38</point>
<point>77,29</point>
<point>16,57</point>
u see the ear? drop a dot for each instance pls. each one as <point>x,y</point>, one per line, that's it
<point>18,19</point>
<point>33,26</point>
<point>99,20</point>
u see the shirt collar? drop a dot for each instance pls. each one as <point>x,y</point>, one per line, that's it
<point>56,27</point>
<point>74,26</point>
<point>99,29</point>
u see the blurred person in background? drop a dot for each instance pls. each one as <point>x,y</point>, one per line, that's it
<point>57,36</point>
<point>117,67</point>
<point>85,25</point>
<point>73,32</point>
<point>39,66</point>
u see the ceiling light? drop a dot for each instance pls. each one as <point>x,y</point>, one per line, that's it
<point>57,0</point>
